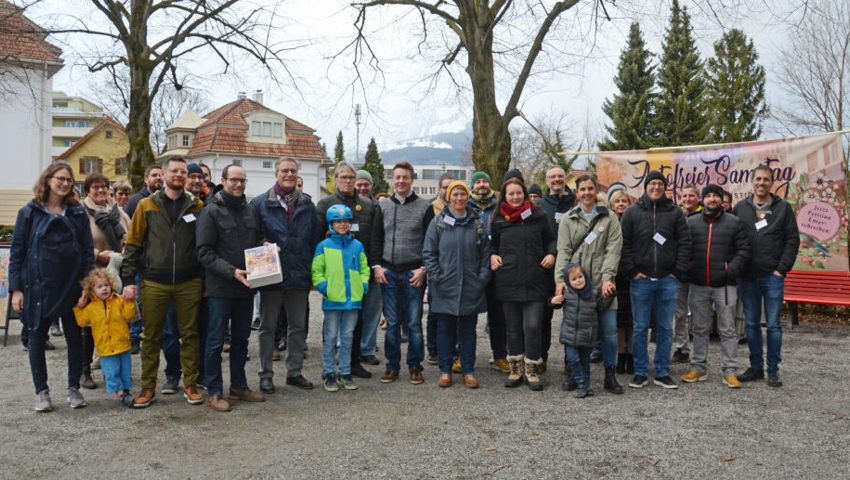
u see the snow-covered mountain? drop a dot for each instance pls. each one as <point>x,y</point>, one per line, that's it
<point>446,146</point>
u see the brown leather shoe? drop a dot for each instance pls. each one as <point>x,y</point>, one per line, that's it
<point>218,404</point>
<point>246,395</point>
<point>445,380</point>
<point>193,395</point>
<point>470,381</point>
<point>145,398</point>
<point>416,375</point>
<point>389,377</point>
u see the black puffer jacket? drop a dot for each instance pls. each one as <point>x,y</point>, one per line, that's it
<point>557,207</point>
<point>656,239</point>
<point>522,246</point>
<point>774,245</point>
<point>580,325</point>
<point>721,249</point>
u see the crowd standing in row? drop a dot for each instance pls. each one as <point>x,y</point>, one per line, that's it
<point>175,255</point>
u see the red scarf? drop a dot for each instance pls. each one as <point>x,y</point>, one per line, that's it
<point>514,214</point>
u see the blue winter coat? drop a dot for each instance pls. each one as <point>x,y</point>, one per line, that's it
<point>297,240</point>
<point>341,272</point>
<point>457,259</point>
<point>50,256</point>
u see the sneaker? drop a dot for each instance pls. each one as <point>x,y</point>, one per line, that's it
<point>456,368</point>
<point>773,379</point>
<point>432,359</point>
<point>502,365</point>
<point>218,404</point>
<point>192,395</point>
<point>732,381</point>
<point>246,395</point>
<point>665,382</point>
<point>638,381</point>
<point>144,399</point>
<point>125,398</point>
<point>42,401</point>
<point>202,386</point>
<point>135,346</point>
<point>681,357</point>
<point>357,370</point>
<point>87,382</point>
<point>370,360</point>
<point>170,386</point>
<point>389,376</point>
<point>416,375</point>
<point>255,325</point>
<point>48,345</point>
<point>54,330</point>
<point>75,398</point>
<point>444,380</point>
<point>329,382</point>
<point>595,356</point>
<point>751,374</point>
<point>695,376</point>
<point>347,382</point>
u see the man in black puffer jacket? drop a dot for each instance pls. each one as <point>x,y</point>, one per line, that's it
<point>721,249</point>
<point>773,228</point>
<point>656,250</point>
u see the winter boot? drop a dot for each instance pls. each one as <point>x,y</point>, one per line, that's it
<point>515,377</point>
<point>621,362</point>
<point>569,382</point>
<point>611,384</point>
<point>630,364</point>
<point>531,375</point>
<point>582,388</point>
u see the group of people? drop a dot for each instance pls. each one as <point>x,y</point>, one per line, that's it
<point>174,257</point>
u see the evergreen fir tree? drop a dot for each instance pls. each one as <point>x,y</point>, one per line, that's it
<point>631,110</point>
<point>682,116</point>
<point>339,149</point>
<point>374,166</point>
<point>735,89</point>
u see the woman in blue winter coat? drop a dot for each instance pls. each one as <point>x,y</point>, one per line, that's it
<point>51,253</point>
<point>456,255</point>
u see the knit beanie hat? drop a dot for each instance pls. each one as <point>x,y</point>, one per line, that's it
<point>194,168</point>
<point>363,174</point>
<point>513,173</point>
<point>616,187</point>
<point>477,176</point>
<point>535,190</point>
<point>655,175</point>
<point>456,184</point>
<point>712,188</point>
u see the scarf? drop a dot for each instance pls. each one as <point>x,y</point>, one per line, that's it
<point>482,201</point>
<point>289,198</point>
<point>108,220</point>
<point>514,214</point>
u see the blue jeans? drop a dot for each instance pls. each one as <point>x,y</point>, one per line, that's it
<point>338,327</point>
<point>608,336</point>
<point>221,310</point>
<point>664,292</point>
<point>450,331</point>
<point>136,327</point>
<point>752,291</point>
<point>116,371</point>
<point>398,294</point>
<point>579,360</point>
<point>371,314</point>
<point>38,362</point>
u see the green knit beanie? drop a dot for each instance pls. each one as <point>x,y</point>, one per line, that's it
<point>479,175</point>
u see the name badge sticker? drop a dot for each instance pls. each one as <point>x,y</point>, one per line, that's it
<point>525,214</point>
<point>659,238</point>
<point>761,224</point>
<point>590,238</point>
<point>189,217</point>
<point>355,227</point>
<point>449,220</point>
<point>559,216</point>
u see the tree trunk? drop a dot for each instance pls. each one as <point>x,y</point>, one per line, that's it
<point>141,69</point>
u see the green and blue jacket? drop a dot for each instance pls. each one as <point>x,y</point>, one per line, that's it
<point>340,272</point>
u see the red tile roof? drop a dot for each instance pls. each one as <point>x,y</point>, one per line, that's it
<point>226,131</point>
<point>22,39</point>
<point>108,121</point>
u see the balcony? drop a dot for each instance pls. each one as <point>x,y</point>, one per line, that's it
<point>70,132</point>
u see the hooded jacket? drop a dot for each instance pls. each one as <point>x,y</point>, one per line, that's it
<point>581,323</point>
<point>721,249</point>
<point>340,271</point>
<point>656,239</point>
<point>49,257</point>
<point>108,319</point>
<point>775,244</point>
<point>457,258</point>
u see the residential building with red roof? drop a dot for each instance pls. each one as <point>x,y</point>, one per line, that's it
<point>246,132</point>
<point>27,65</point>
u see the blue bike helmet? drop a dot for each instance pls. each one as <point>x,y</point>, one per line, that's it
<point>338,212</point>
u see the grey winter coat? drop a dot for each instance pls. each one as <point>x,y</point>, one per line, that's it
<point>581,323</point>
<point>457,259</point>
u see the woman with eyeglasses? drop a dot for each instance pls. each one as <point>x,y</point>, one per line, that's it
<point>52,251</point>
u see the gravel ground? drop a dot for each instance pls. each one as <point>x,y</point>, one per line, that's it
<point>408,431</point>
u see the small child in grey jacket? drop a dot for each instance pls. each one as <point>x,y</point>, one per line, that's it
<point>580,325</point>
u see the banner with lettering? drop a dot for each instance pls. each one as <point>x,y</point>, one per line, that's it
<point>808,173</point>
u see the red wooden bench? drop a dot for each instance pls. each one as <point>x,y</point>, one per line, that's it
<point>826,288</point>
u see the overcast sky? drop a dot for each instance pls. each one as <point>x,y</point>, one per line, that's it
<point>574,73</point>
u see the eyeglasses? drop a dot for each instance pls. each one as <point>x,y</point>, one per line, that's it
<point>347,178</point>
<point>237,180</point>
<point>67,180</point>
<point>98,187</point>
<point>290,171</point>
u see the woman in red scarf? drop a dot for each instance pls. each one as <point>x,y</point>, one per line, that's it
<point>524,254</point>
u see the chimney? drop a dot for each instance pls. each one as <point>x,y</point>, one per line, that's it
<point>258,96</point>
<point>241,96</point>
